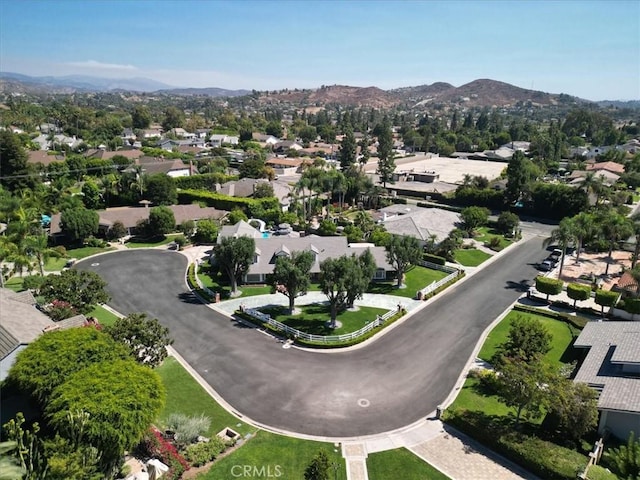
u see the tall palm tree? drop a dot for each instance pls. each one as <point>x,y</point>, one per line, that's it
<point>7,251</point>
<point>584,227</point>
<point>615,227</point>
<point>38,247</point>
<point>565,236</point>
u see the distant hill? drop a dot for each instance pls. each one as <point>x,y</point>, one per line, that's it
<point>208,92</point>
<point>82,83</point>
<point>333,94</point>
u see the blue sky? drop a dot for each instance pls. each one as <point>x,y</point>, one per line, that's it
<point>586,48</point>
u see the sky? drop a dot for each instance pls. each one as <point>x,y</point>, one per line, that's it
<point>586,48</point>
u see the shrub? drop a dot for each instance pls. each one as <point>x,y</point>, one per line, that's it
<point>186,428</point>
<point>548,286</point>
<point>606,298</point>
<point>60,310</point>
<point>438,260</point>
<point>157,446</point>
<point>578,291</point>
<point>32,282</point>
<point>92,241</point>
<point>494,243</point>
<point>576,321</point>
<point>180,240</point>
<point>200,453</point>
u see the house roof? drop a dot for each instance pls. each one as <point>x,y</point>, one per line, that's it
<point>609,166</point>
<point>286,162</point>
<point>241,188</point>
<point>419,222</point>
<point>240,229</point>
<point>42,156</point>
<point>8,343</point>
<point>130,216</point>
<point>104,155</point>
<point>20,318</point>
<point>324,247</point>
<point>627,282</point>
<point>151,165</point>
<point>611,345</point>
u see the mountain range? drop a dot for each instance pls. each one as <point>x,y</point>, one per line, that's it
<point>482,92</point>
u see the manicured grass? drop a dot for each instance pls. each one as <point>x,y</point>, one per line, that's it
<point>104,316</point>
<point>484,234</point>
<point>400,463</point>
<point>313,318</point>
<point>149,243</point>
<point>415,279</point>
<point>15,284</point>
<point>55,264</point>
<point>562,334</point>
<point>470,257</point>
<point>185,395</point>
<point>217,284</point>
<point>472,397</point>
<point>268,451</point>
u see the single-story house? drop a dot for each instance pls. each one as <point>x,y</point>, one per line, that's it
<point>418,222</point>
<point>577,177</point>
<point>21,323</point>
<point>217,140</point>
<point>43,158</point>
<point>286,145</point>
<point>173,168</point>
<point>130,216</point>
<point>612,167</point>
<point>287,166</point>
<point>270,248</point>
<point>267,140</point>
<point>612,367</point>
<point>131,154</point>
<point>182,133</point>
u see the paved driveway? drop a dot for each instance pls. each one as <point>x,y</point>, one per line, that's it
<point>388,384</point>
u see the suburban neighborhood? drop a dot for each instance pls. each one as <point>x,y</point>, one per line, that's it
<point>333,282</point>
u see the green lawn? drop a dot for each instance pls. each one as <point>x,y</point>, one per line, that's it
<point>313,318</point>
<point>185,395</point>
<point>282,457</point>
<point>400,463</point>
<point>217,284</point>
<point>14,283</point>
<point>561,332</point>
<point>415,279</point>
<point>470,257</point>
<point>56,264</point>
<point>149,243</point>
<point>104,316</point>
<point>484,234</point>
<point>472,397</point>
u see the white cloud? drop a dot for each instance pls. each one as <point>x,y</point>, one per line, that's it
<point>93,64</point>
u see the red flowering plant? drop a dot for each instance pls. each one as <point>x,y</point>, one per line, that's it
<point>59,310</point>
<point>157,446</point>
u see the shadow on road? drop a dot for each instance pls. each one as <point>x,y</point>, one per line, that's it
<point>521,286</point>
<point>188,297</point>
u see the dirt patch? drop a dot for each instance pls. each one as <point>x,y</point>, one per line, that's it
<point>595,264</point>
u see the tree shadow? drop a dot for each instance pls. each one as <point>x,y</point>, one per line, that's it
<point>189,297</point>
<point>521,286</point>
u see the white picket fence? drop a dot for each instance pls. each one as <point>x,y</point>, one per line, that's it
<point>292,332</point>
<point>453,273</point>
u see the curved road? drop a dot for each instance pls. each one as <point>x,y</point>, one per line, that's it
<point>392,382</point>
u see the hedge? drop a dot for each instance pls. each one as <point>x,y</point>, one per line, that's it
<point>205,181</point>
<point>225,202</point>
<point>548,286</point>
<point>576,321</point>
<point>428,257</point>
<point>578,291</point>
<point>606,298</point>
<point>542,458</point>
<point>630,305</point>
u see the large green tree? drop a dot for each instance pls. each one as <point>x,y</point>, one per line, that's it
<point>334,278</point>
<point>360,274</point>
<point>161,189</point>
<point>474,217</point>
<point>173,118</point>
<point>79,223</point>
<point>521,173</point>
<point>161,221</point>
<point>140,117</point>
<point>81,288</point>
<point>386,163</point>
<point>574,407</point>
<point>528,340</point>
<point>49,361</point>
<point>291,275</point>
<point>144,336</point>
<point>122,400</point>
<point>15,173</point>
<point>348,149</point>
<point>402,252</point>
<point>234,256</point>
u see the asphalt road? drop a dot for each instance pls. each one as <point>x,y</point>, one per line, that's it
<point>392,382</point>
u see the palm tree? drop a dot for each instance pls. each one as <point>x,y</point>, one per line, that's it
<point>615,228</point>
<point>564,235</point>
<point>7,251</point>
<point>38,246</point>
<point>583,228</point>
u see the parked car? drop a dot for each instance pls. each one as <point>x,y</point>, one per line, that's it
<point>546,266</point>
<point>557,253</point>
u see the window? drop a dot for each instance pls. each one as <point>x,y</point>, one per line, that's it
<point>380,274</point>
